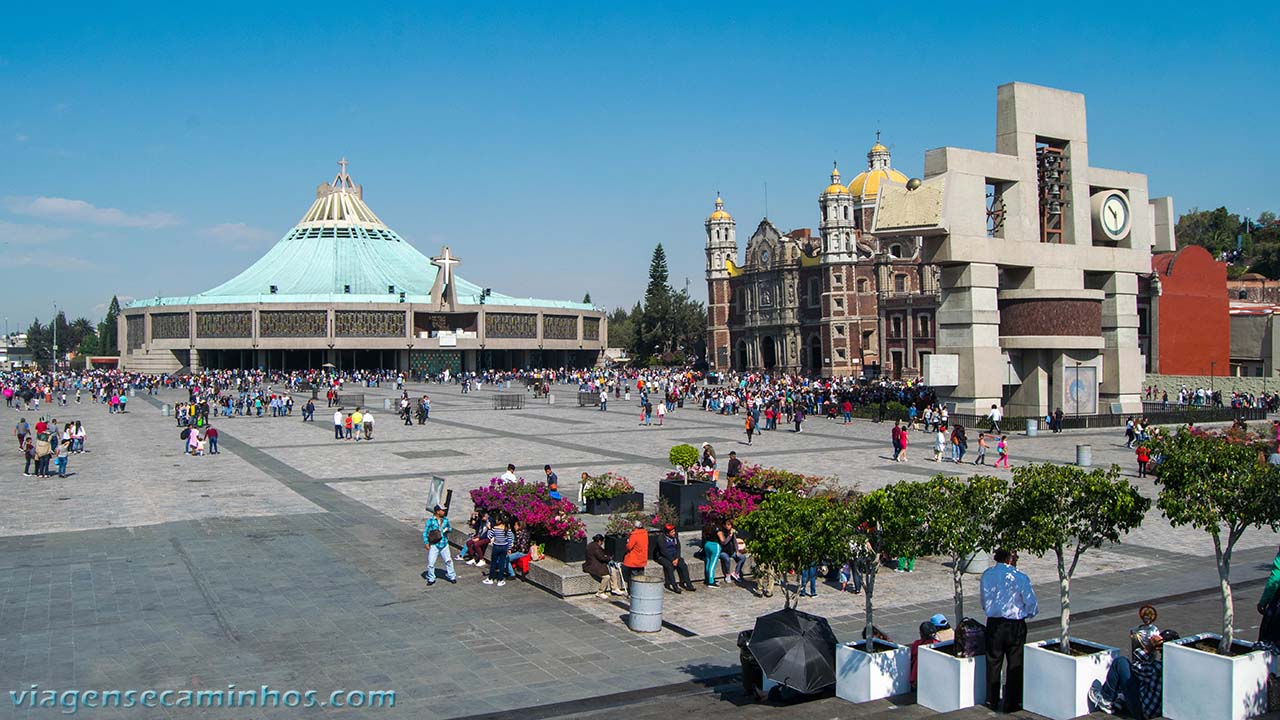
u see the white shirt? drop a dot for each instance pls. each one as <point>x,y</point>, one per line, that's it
<point>337,417</point>
<point>1007,593</point>
<point>508,476</point>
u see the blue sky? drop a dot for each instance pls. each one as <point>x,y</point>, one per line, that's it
<point>158,149</point>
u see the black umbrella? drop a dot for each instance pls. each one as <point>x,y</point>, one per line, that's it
<point>795,649</point>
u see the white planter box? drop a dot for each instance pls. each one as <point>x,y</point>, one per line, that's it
<point>1056,685</point>
<point>945,682</point>
<point>1200,685</point>
<point>863,676</point>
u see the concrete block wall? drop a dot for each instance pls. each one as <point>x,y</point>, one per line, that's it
<point>1227,384</point>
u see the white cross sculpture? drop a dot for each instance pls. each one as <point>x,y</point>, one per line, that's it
<point>445,261</point>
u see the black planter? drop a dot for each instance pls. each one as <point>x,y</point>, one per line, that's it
<point>685,498</point>
<point>617,503</point>
<point>616,546</point>
<point>566,551</point>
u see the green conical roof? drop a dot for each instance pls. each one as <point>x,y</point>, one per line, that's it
<point>340,252</point>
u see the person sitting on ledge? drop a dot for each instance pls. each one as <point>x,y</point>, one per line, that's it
<point>667,552</point>
<point>1134,685</point>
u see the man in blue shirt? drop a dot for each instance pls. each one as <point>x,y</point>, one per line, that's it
<point>440,548</point>
<point>1008,601</point>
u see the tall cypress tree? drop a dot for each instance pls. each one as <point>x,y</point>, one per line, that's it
<point>107,340</point>
<point>655,330</point>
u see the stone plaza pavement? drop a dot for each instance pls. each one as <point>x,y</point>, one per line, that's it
<point>292,559</point>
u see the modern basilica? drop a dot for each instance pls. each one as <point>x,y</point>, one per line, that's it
<point>343,288</point>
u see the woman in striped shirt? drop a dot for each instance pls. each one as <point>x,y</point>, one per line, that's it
<point>500,540</point>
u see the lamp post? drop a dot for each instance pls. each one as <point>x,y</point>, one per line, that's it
<point>1212,365</point>
<point>55,341</point>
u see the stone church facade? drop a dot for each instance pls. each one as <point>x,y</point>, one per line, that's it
<point>840,303</point>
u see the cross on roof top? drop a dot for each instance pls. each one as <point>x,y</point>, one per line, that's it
<point>343,162</point>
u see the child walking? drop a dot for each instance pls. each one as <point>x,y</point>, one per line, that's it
<point>982,450</point>
<point>1002,449</point>
<point>500,539</point>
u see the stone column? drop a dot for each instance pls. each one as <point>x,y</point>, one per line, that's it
<point>1122,369</point>
<point>968,326</point>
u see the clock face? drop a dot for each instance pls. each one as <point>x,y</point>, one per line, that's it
<point>1115,214</point>
<point>764,257</point>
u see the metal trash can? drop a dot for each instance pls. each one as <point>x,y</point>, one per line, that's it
<point>164,409</point>
<point>386,403</point>
<point>646,604</point>
<point>1084,456</point>
<point>1033,427</point>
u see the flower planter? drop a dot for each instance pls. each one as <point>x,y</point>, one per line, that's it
<point>1056,685</point>
<point>946,682</point>
<point>1201,685</point>
<point>862,676</point>
<point>685,498</point>
<point>566,551</point>
<point>617,503</point>
<point>616,545</point>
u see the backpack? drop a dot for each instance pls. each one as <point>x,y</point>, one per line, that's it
<point>971,638</point>
<point>43,448</point>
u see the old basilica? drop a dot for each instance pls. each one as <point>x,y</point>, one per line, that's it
<point>837,304</point>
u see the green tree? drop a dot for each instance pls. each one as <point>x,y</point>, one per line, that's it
<point>889,523</point>
<point>40,342</point>
<point>1214,230</point>
<point>622,327</point>
<point>1221,488</point>
<point>107,329</point>
<point>586,299</point>
<point>959,515</point>
<point>790,532</point>
<point>1066,510</point>
<point>654,333</point>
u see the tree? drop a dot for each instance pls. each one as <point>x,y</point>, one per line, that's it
<point>1064,509</point>
<point>790,532</point>
<point>889,521</point>
<point>622,327</point>
<point>586,299</point>
<point>653,336</point>
<point>1214,230</point>
<point>108,342</point>
<point>40,342</point>
<point>959,516</point>
<point>1219,487</point>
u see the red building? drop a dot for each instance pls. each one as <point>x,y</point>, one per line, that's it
<point>1184,323</point>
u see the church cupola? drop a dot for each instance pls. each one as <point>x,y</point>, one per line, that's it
<point>722,242</point>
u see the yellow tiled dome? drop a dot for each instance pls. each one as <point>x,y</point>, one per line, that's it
<point>835,188</point>
<point>867,184</point>
<point>720,213</point>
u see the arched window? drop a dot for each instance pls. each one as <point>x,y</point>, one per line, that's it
<point>824,213</point>
<point>846,212</point>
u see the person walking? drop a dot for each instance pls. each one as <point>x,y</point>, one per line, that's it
<point>1144,457</point>
<point>662,413</point>
<point>995,416</point>
<point>604,400</point>
<point>368,425</point>
<point>750,425</point>
<point>895,436</point>
<point>211,434</point>
<point>337,424</point>
<point>1002,450</point>
<point>798,418</point>
<point>939,442</point>
<point>435,535</point>
<point>1008,601</point>
<point>981,459</point>
<point>1269,606</point>
<point>357,424</point>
